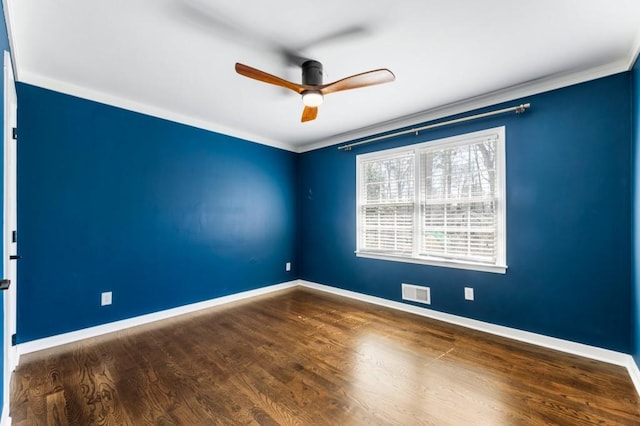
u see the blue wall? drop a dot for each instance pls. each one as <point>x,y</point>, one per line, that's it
<point>568,221</point>
<point>635,99</point>
<point>163,215</point>
<point>159,213</point>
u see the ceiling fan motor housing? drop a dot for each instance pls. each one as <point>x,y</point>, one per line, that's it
<point>312,73</point>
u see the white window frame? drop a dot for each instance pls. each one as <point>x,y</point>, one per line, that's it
<point>500,265</point>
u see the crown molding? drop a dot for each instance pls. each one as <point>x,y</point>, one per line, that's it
<point>530,88</point>
<point>634,52</point>
<point>508,94</point>
<point>66,88</point>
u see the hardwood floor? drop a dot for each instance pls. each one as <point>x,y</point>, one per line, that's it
<point>302,357</point>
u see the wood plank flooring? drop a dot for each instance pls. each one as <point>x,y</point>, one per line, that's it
<point>301,357</point>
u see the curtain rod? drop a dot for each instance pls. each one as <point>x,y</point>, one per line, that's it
<point>518,109</point>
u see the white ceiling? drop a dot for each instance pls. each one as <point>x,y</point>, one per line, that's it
<point>175,58</point>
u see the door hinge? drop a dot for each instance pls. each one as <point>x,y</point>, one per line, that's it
<point>14,236</point>
<point>14,133</point>
<point>13,339</point>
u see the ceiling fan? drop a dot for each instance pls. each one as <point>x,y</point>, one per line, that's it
<point>312,89</point>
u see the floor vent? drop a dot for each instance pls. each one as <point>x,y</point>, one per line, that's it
<point>416,293</point>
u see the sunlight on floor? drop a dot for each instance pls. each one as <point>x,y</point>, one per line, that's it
<point>418,383</point>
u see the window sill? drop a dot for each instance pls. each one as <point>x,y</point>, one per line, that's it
<point>433,262</point>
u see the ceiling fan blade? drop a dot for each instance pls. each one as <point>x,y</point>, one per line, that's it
<point>369,78</point>
<point>309,113</point>
<point>256,74</point>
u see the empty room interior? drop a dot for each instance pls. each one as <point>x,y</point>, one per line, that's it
<point>335,213</point>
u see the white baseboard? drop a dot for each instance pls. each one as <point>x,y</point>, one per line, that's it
<point>634,372</point>
<point>74,336</point>
<point>574,348</point>
<point>5,420</point>
<point>580,349</point>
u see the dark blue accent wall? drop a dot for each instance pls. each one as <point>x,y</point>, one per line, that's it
<point>635,124</point>
<point>159,213</point>
<point>568,221</point>
<point>163,215</point>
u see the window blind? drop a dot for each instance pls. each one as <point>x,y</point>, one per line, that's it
<point>387,204</point>
<point>458,201</point>
<point>440,202</point>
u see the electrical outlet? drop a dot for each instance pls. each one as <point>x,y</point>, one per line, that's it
<point>287,266</point>
<point>105,298</point>
<point>468,293</point>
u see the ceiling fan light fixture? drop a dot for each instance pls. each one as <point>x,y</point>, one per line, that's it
<point>312,98</point>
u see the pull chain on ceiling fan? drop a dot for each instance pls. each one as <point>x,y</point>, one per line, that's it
<point>312,90</point>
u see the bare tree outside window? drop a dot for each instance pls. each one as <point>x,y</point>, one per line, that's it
<point>388,207</point>
<point>458,201</point>
<point>440,201</point>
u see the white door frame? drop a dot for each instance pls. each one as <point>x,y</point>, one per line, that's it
<point>9,223</point>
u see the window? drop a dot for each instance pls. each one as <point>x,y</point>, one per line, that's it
<point>438,203</point>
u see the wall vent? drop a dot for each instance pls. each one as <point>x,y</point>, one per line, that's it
<point>416,293</point>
